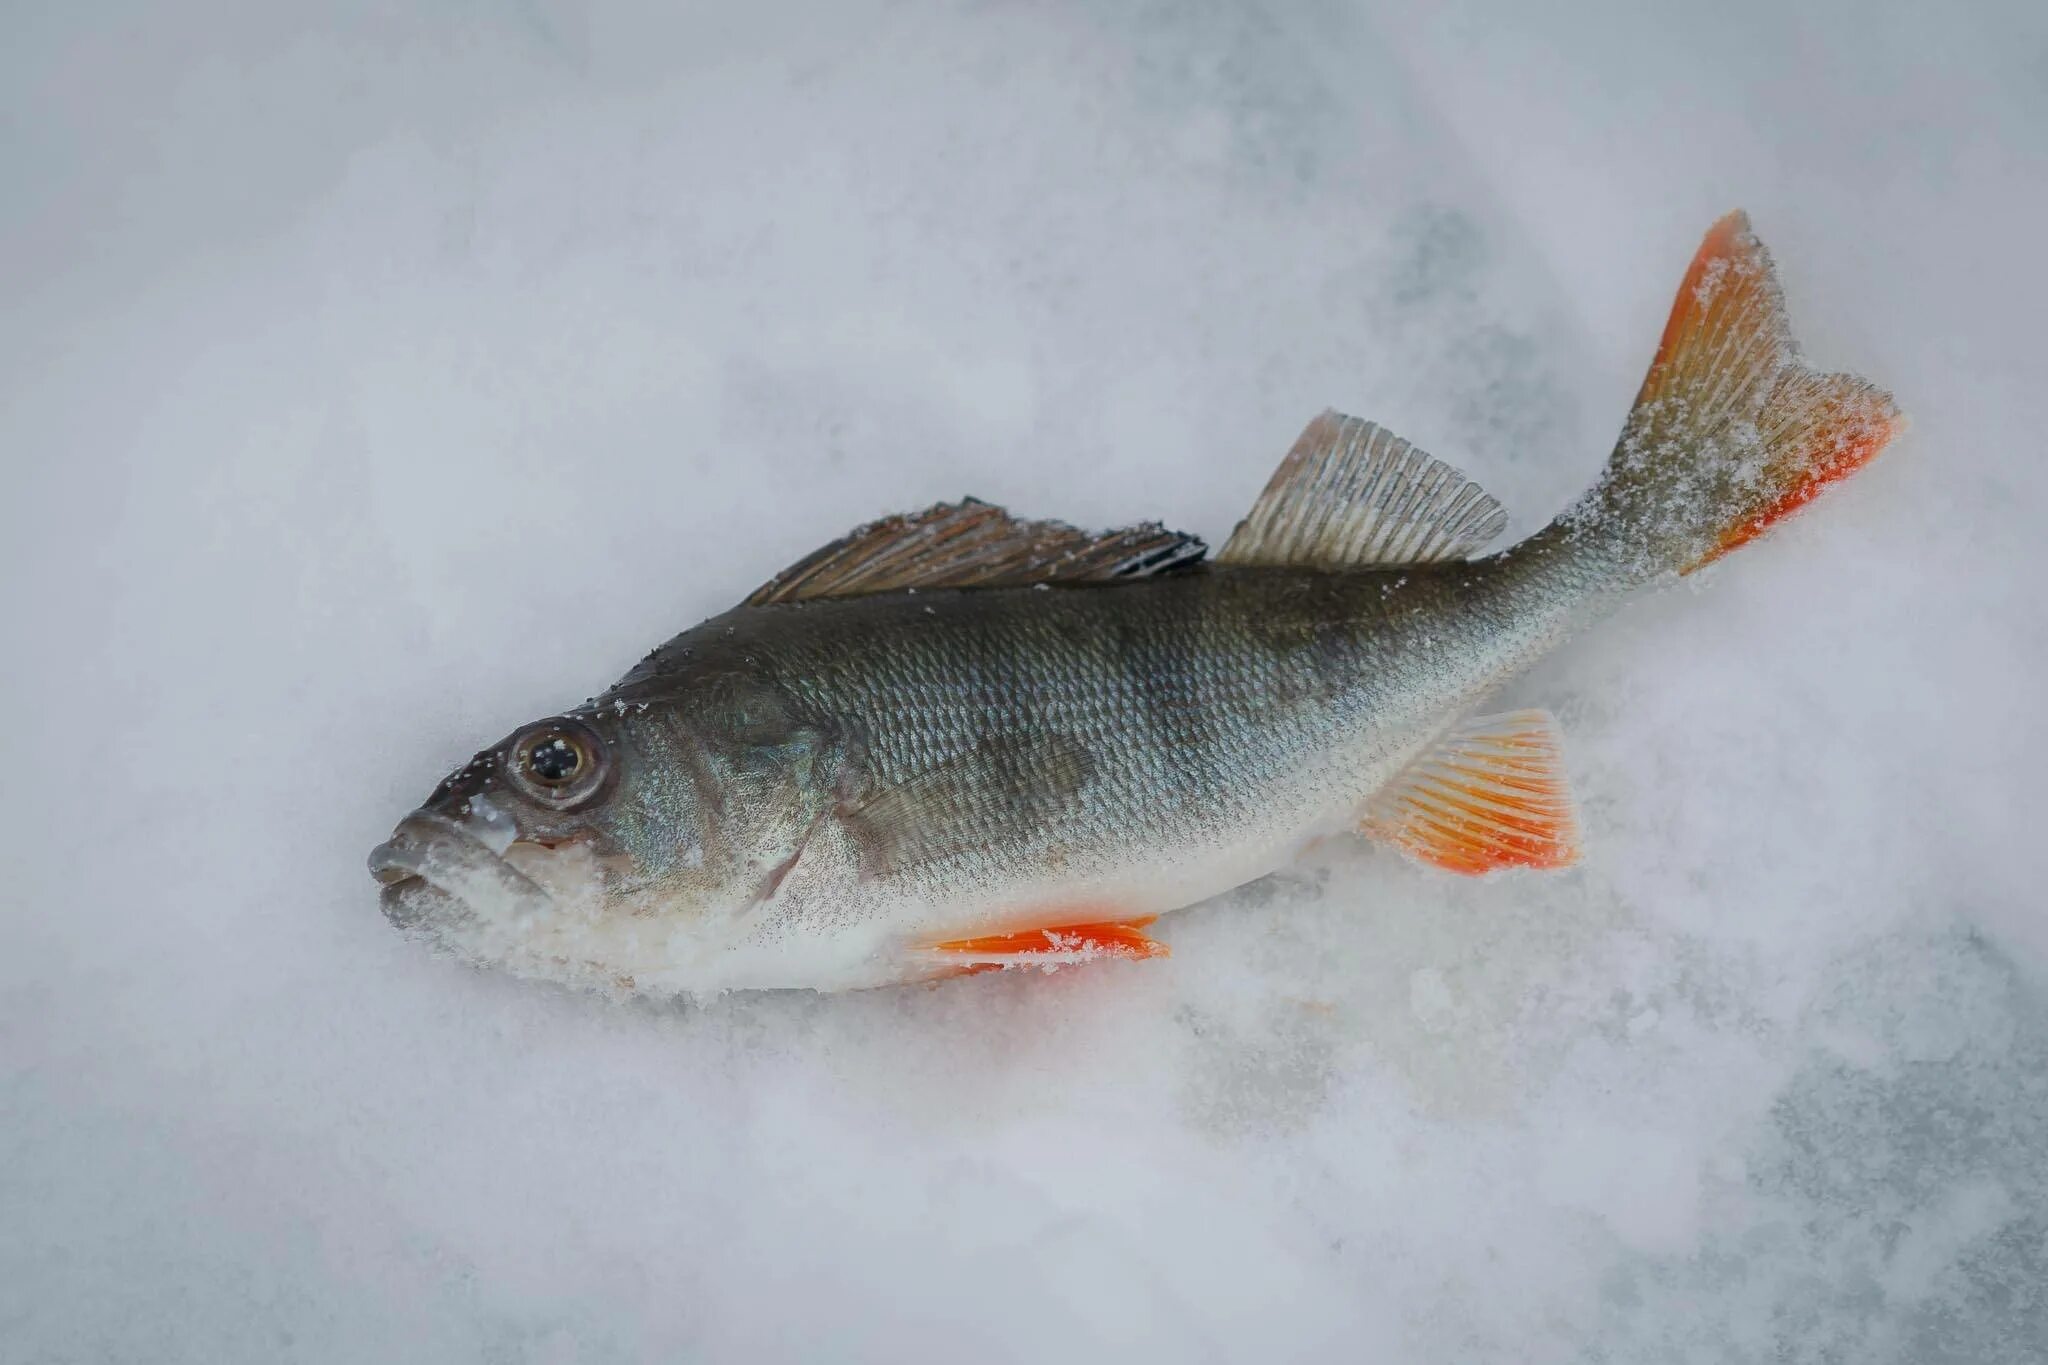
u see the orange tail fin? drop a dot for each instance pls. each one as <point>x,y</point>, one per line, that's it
<point>1730,432</point>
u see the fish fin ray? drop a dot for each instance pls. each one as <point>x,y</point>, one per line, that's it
<point>1352,495</point>
<point>1730,433</point>
<point>1489,795</point>
<point>974,544</point>
<point>1051,946</point>
<point>968,801</point>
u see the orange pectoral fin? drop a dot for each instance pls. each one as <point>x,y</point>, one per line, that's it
<point>1052,947</point>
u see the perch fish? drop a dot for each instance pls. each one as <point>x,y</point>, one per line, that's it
<point>958,740</point>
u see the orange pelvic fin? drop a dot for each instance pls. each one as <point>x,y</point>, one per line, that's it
<point>1052,947</point>
<point>1489,795</point>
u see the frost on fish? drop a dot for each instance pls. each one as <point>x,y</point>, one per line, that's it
<point>961,740</point>
<point>1730,432</point>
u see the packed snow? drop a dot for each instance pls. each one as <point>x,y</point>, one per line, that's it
<point>374,378</point>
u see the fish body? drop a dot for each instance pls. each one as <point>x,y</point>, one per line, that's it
<point>1227,717</point>
<point>958,741</point>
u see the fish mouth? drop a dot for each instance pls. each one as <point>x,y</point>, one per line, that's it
<point>433,869</point>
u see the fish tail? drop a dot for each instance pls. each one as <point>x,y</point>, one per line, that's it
<point>1730,433</point>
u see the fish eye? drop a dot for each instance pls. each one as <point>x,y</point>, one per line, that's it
<point>553,761</point>
<point>560,762</point>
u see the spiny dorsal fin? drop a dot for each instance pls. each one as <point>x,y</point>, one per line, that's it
<point>974,544</point>
<point>1489,795</point>
<point>1352,495</point>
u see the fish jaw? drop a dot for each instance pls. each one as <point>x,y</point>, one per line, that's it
<point>441,878</point>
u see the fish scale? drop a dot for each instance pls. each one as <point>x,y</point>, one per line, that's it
<point>1200,695</point>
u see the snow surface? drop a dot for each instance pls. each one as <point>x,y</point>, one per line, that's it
<point>374,378</point>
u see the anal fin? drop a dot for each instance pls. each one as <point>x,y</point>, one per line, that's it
<point>1051,947</point>
<point>1489,795</point>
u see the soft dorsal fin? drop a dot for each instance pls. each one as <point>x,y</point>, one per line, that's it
<point>974,544</point>
<point>1352,495</point>
<point>1489,795</point>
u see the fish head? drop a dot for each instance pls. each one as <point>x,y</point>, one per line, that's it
<point>622,845</point>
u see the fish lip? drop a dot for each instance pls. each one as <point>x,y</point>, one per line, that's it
<point>412,903</point>
<point>432,849</point>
